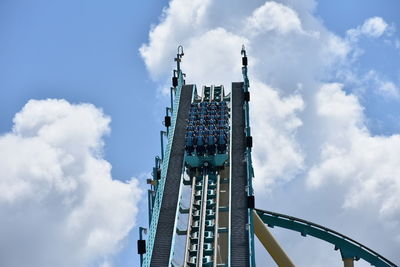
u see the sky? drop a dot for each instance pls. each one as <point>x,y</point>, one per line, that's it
<point>83,89</point>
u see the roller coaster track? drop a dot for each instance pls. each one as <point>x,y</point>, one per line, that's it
<point>348,247</point>
<point>218,223</point>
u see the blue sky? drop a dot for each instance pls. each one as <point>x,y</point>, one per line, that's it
<point>339,16</point>
<point>83,52</point>
<point>88,52</point>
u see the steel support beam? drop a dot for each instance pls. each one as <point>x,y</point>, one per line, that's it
<point>348,262</point>
<point>270,243</point>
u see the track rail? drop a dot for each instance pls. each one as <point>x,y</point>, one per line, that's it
<point>348,247</point>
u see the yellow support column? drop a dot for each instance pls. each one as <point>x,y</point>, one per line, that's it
<point>348,262</point>
<point>270,243</point>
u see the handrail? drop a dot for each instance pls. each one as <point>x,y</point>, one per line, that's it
<point>164,168</point>
<point>348,247</point>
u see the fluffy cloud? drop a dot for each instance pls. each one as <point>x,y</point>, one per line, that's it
<point>372,82</point>
<point>278,157</point>
<point>180,19</point>
<point>56,190</point>
<point>273,16</point>
<point>367,165</point>
<point>373,27</point>
<point>313,153</point>
<point>389,89</point>
<point>209,57</point>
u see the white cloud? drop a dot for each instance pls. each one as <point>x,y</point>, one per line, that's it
<point>207,56</point>
<point>368,166</point>
<point>273,16</point>
<point>372,27</point>
<point>180,19</point>
<point>278,157</point>
<point>58,202</point>
<point>389,89</point>
<point>106,264</point>
<point>380,86</point>
<point>310,139</point>
<point>344,111</point>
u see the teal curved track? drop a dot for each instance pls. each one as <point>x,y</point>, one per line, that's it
<point>349,248</point>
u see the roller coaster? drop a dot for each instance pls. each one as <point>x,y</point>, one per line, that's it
<point>201,198</point>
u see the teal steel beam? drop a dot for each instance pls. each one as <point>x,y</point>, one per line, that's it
<point>161,182</point>
<point>167,109</point>
<point>150,204</point>
<point>349,248</point>
<point>141,231</point>
<point>249,167</point>
<point>162,133</point>
<point>172,90</point>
